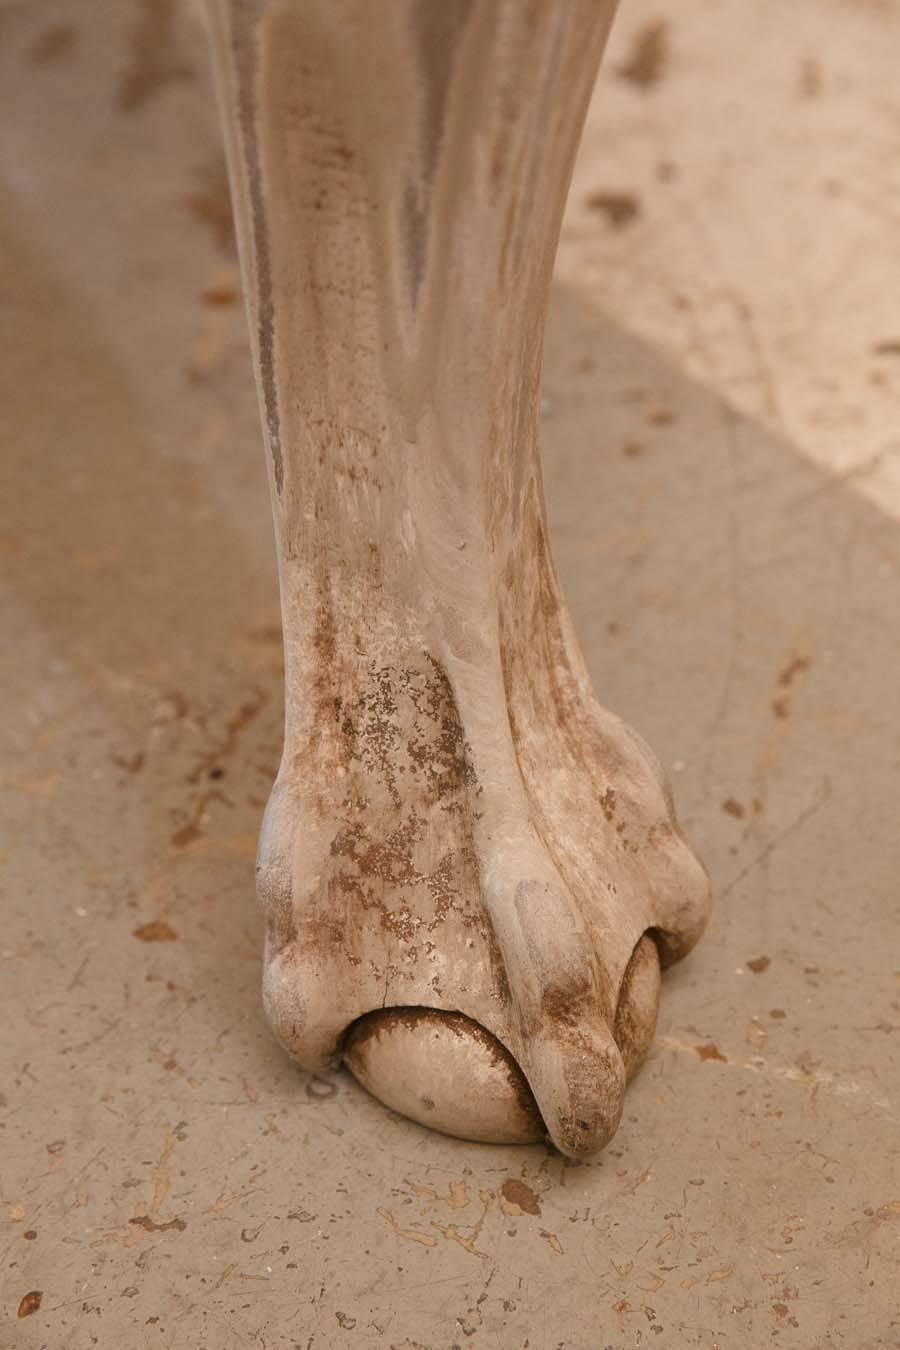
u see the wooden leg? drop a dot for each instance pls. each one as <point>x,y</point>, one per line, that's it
<point>471,871</point>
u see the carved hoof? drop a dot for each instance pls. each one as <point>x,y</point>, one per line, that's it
<point>480,975</point>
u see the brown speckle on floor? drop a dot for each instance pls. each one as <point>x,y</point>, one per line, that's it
<point>810,78</point>
<point>518,1193</point>
<point>154,59</point>
<point>217,296</point>
<point>210,203</point>
<point>759,964</point>
<point>648,59</point>
<point>798,665</point>
<point>54,45</point>
<point>787,677</point>
<point>157,930</point>
<point>150,1226</point>
<point>30,1303</point>
<point>132,763</point>
<point>619,208</point>
<point>710,1051</point>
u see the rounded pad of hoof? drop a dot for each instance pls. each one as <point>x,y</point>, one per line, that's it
<point>445,1071</point>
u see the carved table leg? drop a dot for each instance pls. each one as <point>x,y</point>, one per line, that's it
<point>471,871</point>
